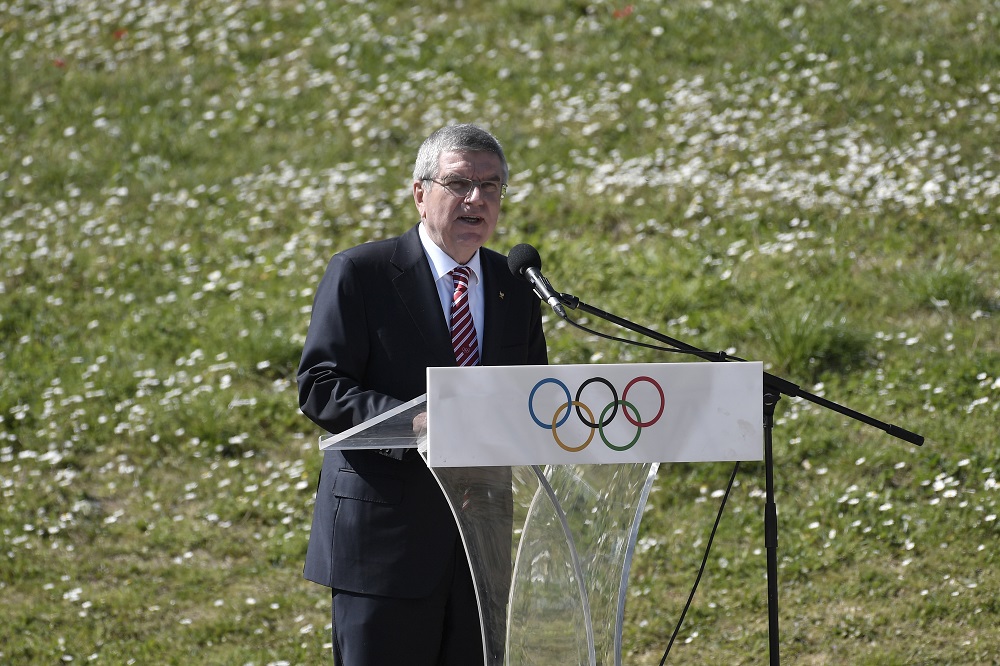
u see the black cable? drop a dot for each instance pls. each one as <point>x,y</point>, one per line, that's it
<point>704,562</point>
<point>613,338</point>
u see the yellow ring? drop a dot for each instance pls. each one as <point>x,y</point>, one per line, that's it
<point>555,434</point>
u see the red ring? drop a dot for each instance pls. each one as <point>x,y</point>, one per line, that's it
<point>663,403</point>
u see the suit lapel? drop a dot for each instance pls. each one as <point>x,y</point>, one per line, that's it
<point>415,286</point>
<point>494,295</point>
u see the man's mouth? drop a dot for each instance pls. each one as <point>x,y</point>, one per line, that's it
<point>471,219</point>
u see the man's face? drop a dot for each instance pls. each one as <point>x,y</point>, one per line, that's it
<point>460,225</point>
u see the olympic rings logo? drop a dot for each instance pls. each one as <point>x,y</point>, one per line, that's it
<point>608,414</point>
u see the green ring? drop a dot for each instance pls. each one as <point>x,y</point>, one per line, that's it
<point>638,430</point>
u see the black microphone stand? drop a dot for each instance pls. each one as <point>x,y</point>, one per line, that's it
<point>774,388</point>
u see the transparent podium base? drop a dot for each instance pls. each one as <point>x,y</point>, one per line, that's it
<point>551,550</point>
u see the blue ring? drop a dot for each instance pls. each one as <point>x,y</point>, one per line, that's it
<point>531,399</point>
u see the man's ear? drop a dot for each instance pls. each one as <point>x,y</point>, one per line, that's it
<point>418,196</point>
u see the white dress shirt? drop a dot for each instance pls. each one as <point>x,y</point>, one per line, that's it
<point>441,265</point>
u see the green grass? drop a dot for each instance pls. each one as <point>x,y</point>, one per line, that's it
<point>810,184</point>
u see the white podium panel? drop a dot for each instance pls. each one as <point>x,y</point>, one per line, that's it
<point>595,414</point>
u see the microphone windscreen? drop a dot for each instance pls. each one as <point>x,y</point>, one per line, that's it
<point>523,257</point>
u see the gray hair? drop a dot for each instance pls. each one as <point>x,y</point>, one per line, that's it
<point>455,138</point>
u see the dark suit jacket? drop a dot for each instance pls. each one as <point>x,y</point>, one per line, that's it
<point>381,525</point>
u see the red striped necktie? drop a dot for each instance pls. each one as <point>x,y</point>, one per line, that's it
<point>463,330</point>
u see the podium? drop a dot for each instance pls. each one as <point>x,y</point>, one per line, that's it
<point>548,470</point>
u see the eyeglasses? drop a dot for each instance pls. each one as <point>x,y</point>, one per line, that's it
<point>462,187</point>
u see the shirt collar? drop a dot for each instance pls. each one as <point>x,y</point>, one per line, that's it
<point>441,263</point>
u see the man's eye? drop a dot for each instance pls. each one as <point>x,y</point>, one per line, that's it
<point>489,187</point>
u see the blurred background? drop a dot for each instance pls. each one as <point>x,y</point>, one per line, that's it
<point>815,185</point>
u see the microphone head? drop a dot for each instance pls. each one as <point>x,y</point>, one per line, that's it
<point>521,258</point>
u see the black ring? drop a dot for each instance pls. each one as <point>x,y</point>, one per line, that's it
<point>614,393</point>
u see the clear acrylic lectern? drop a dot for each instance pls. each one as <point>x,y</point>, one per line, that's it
<point>550,547</point>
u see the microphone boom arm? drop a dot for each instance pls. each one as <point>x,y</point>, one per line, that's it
<point>772,382</point>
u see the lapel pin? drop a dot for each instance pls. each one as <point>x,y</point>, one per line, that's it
<point>501,295</point>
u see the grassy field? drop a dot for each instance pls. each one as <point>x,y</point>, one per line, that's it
<point>811,184</point>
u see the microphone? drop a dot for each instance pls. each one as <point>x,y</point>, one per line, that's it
<point>525,263</point>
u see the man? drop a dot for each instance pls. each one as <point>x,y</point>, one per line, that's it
<point>383,537</point>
